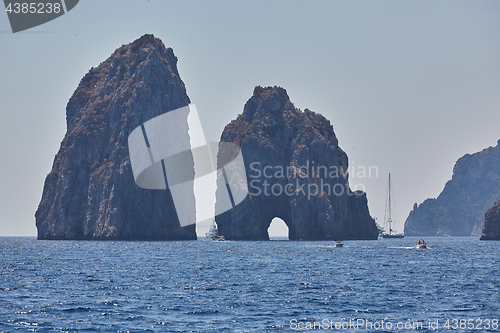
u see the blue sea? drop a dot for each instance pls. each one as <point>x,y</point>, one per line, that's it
<point>274,286</point>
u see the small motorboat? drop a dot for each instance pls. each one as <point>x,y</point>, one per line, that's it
<point>339,243</point>
<point>421,244</point>
<point>393,235</point>
<point>218,238</point>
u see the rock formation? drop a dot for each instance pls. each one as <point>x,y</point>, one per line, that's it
<point>491,229</point>
<point>296,171</point>
<point>459,209</point>
<point>90,192</point>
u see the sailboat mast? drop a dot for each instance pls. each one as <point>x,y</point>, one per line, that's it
<point>388,215</point>
<point>389,220</point>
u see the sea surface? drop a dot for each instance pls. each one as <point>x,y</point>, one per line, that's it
<point>273,286</point>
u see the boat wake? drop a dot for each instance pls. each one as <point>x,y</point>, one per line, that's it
<point>404,247</point>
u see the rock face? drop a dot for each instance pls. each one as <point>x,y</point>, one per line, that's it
<point>90,192</point>
<point>296,171</point>
<point>459,209</point>
<point>491,230</point>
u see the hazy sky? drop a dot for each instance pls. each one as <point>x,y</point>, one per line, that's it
<point>409,86</point>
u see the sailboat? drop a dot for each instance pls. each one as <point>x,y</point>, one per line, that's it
<point>388,217</point>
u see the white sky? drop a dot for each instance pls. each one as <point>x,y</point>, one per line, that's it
<point>409,86</point>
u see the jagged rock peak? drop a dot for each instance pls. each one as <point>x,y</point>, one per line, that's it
<point>270,108</point>
<point>137,65</point>
<point>90,192</point>
<point>270,98</point>
<point>144,50</point>
<point>131,58</point>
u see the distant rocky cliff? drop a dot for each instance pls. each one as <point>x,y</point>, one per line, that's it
<point>296,171</point>
<point>90,192</point>
<point>491,230</point>
<point>459,209</point>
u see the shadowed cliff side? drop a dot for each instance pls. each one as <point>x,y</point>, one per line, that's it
<point>90,192</point>
<point>491,230</point>
<point>459,209</point>
<point>296,171</point>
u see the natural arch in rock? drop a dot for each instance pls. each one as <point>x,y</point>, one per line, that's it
<point>289,154</point>
<point>278,228</point>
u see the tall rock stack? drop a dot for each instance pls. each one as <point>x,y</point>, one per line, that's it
<point>90,192</point>
<point>296,171</point>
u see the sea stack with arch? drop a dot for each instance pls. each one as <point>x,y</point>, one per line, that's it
<point>295,171</point>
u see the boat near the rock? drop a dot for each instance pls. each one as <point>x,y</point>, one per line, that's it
<point>421,244</point>
<point>393,235</point>
<point>339,243</point>
<point>218,238</point>
<point>213,234</point>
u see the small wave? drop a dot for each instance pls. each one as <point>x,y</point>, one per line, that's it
<point>136,317</point>
<point>401,247</point>
<point>460,310</point>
